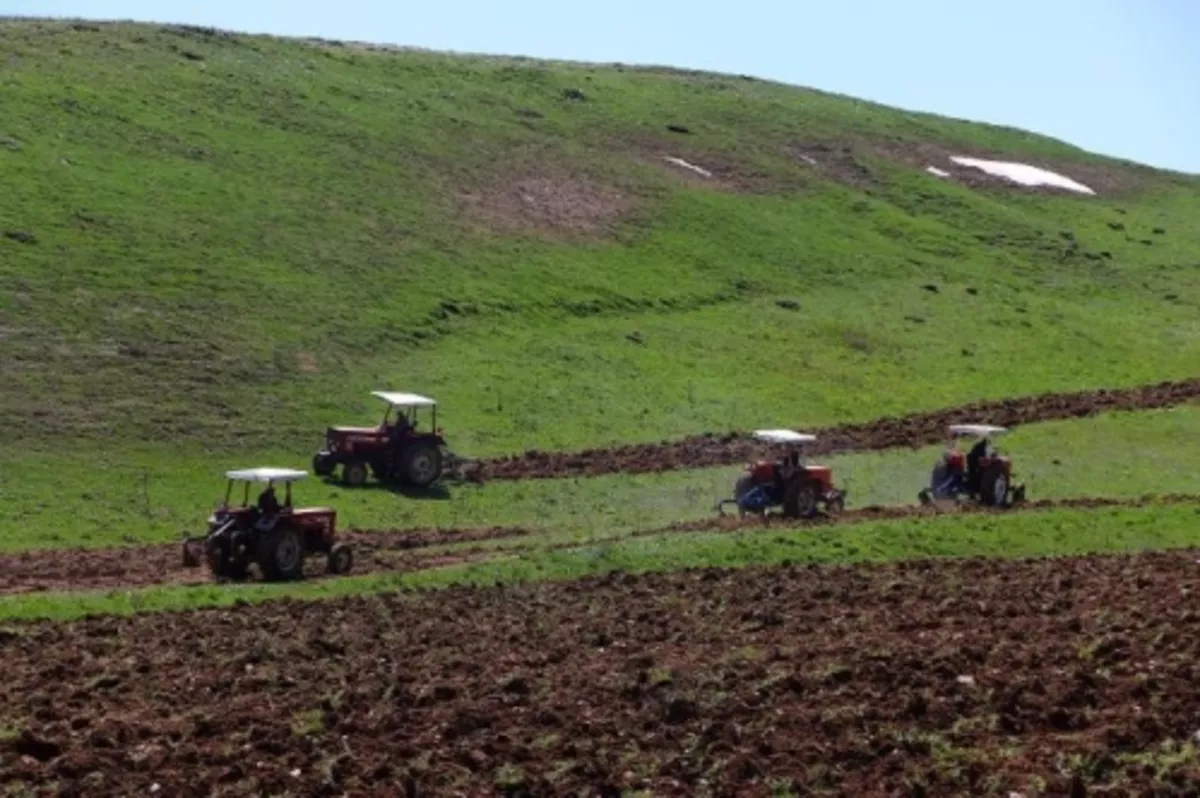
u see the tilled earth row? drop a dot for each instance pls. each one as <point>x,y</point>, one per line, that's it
<point>126,567</point>
<point>44,570</point>
<point>918,429</point>
<point>1067,676</point>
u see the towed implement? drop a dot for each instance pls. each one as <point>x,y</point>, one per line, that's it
<point>979,475</point>
<point>276,537</point>
<point>799,488</point>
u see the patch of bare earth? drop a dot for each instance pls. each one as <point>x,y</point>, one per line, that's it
<point>548,204</point>
<point>692,162</point>
<point>847,162</point>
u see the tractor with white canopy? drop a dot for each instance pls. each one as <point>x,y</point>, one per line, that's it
<point>394,451</point>
<point>980,474</point>
<point>270,533</point>
<point>800,488</point>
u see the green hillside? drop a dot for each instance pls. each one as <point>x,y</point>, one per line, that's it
<point>221,243</point>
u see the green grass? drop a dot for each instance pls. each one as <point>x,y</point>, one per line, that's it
<point>235,238</point>
<point>52,503</point>
<point>1044,533</point>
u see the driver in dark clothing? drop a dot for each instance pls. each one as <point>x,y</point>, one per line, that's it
<point>268,503</point>
<point>977,453</point>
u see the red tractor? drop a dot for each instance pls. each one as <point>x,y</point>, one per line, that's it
<point>394,451</point>
<point>799,488</point>
<point>273,535</point>
<point>980,475</point>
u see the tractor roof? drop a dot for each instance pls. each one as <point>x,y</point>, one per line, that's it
<point>404,399</point>
<point>266,474</point>
<point>783,436</point>
<point>978,430</point>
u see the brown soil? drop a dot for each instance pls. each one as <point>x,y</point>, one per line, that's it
<point>915,430</point>
<point>845,162</point>
<point>141,566</point>
<point>1065,676</point>
<point>548,204</point>
<point>728,170</point>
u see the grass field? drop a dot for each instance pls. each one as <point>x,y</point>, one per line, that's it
<point>215,245</point>
<point>235,238</point>
<point>138,500</point>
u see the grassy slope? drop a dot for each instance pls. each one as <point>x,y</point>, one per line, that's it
<point>56,503</point>
<point>1058,532</point>
<point>238,237</point>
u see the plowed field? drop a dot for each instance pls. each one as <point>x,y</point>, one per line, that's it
<point>978,677</point>
<point>138,566</point>
<point>918,429</point>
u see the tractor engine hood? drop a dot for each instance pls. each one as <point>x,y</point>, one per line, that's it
<point>354,431</point>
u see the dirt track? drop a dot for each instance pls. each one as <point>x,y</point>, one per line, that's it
<point>398,551</point>
<point>918,429</point>
<point>975,677</point>
<point>141,566</point>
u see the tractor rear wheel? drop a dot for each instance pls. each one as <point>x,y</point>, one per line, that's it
<point>993,488</point>
<point>422,464</point>
<point>354,474</point>
<point>280,554</point>
<point>800,499</point>
<point>340,559</point>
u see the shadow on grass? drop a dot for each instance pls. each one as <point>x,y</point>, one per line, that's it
<point>435,492</point>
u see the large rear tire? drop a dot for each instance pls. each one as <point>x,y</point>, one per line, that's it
<point>800,499</point>
<point>422,464</point>
<point>354,474</point>
<point>993,488</point>
<point>280,554</point>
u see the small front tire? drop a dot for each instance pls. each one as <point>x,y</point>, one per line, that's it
<point>340,559</point>
<point>354,474</point>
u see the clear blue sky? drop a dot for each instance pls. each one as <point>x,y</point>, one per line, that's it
<point>1117,77</point>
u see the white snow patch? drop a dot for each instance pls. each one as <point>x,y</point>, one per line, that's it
<point>933,170</point>
<point>1023,173</point>
<point>680,162</point>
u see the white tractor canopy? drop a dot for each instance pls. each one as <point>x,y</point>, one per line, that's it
<point>266,474</point>
<point>399,399</point>
<point>977,430</point>
<point>783,436</point>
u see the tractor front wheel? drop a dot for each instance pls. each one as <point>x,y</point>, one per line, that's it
<point>422,464</point>
<point>993,488</point>
<point>340,559</point>
<point>835,505</point>
<point>354,474</point>
<point>280,554</point>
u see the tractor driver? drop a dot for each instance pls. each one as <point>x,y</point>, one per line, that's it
<point>268,508</point>
<point>977,453</point>
<point>268,503</point>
